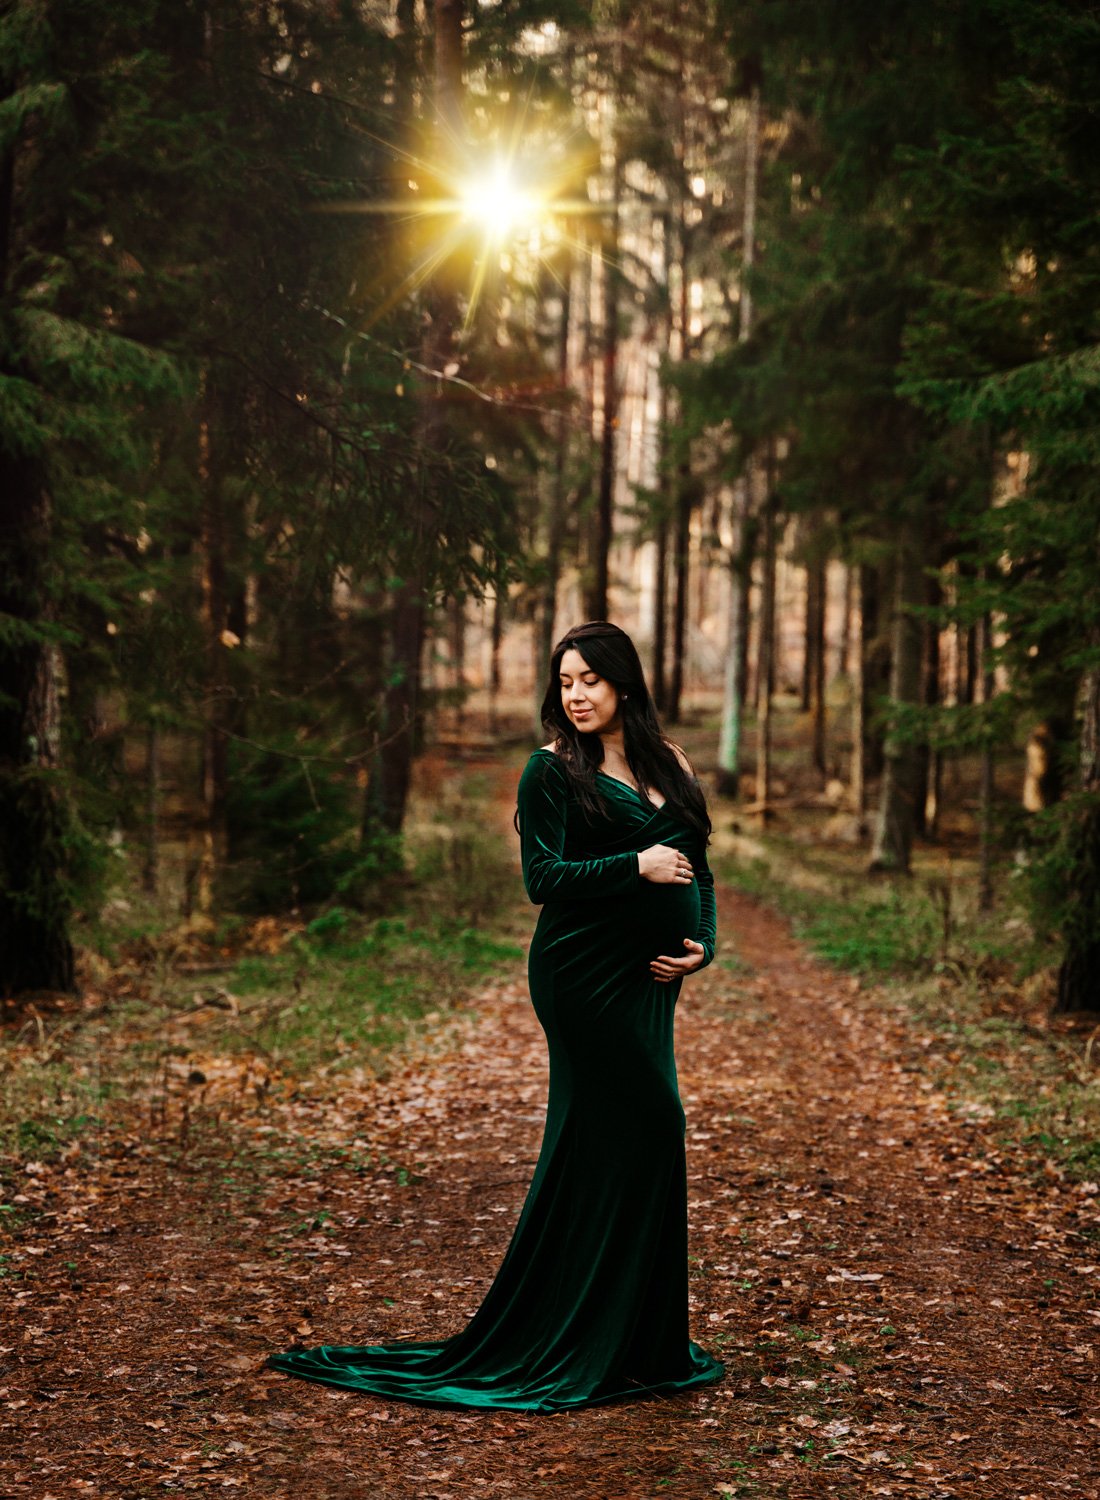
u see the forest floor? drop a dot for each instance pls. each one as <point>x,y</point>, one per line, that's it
<point>906,1306</point>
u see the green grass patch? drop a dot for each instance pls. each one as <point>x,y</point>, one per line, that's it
<point>175,1012</point>
<point>336,996</point>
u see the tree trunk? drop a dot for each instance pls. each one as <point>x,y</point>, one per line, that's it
<point>681,566</point>
<point>150,863</point>
<point>816,642</point>
<point>660,590</point>
<point>874,667</point>
<point>844,662</point>
<point>896,819</point>
<point>555,524</point>
<point>496,636</point>
<point>35,950</point>
<point>731,732</point>
<point>742,555</point>
<point>805,693</point>
<point>857,787</point>
<point>984,637</point>
<point>391,773</point>
<point>458,661</point>
<point>213,440</point>
<point>767,655</point>
<point>928,807</point>
<point>1079,972</point>
<point>660,617</point>
<point>605,499</point>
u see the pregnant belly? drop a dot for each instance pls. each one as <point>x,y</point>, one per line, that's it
<point>665,915</point>
<point>620,935</point>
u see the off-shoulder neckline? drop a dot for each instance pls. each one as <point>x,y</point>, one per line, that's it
<point>657,806</point>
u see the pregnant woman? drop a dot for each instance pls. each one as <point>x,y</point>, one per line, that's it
<point>591,1300</point>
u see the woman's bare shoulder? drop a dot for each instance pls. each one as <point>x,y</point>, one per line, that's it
<point>685,764</point>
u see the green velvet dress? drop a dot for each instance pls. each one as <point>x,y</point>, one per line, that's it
<point>590,1303</point>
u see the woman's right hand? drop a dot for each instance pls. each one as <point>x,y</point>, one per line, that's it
<point>665,866</point>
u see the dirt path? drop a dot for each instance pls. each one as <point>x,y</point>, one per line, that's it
<point>902,1312</point>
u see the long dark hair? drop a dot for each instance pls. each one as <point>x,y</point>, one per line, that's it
<point>609,651</point>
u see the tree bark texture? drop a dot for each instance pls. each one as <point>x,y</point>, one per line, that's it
<point>734,695</point>
<point>681,567</point>
<point>928,806</point>
<point>217,708</point>
<point>35,903</point>
<point>857,784</point>
<point>816,601</point>
<point>1079,971</point>
<point>605,498</point>
<point>896,820</point>
<point>874,665</point>
<point>984,636</point>
<point>555,521</point>
<point>391,771</point>
<point>766,660</point>
<point>731,733</point>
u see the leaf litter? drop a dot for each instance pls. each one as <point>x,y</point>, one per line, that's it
<point>904,1308</point>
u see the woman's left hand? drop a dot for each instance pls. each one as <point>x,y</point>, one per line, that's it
<point>663,968</point>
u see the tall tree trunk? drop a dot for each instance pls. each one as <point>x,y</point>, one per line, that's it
<point>805,694</point>
<point>766,659</point>
<point>966,648</point>
<point>744,531</point>
<point>928,807</point>
<point>213,438</point>
<point>816,642</point>
<point>555,522</point>
<point>660,565</point>
<point>391,773</point>
<point>35,950</point>
<point>496,637</point>
<point>605,497</point>
<point>742,555</point>
<point>874,666</point>
<point>1079,971</point>
<point>985,784</point>
<point>685,500</point>
<point>681,562</point>
<point>586,370</point>
<point>660,617</point>
<point>458,660</point>
<point>844,660</point>
<point>857,780</point>
<point>896,819</point>
<point>605,501</point>
<point>150,863</point>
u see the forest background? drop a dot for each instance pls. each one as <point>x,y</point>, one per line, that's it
<point>350,352</point>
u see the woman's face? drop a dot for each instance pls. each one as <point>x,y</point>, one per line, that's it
<point>590,702</point>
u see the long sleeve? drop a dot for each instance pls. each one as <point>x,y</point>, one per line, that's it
<point>546,874</point>
<point>708,911</point>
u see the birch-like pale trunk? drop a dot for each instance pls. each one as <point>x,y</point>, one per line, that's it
<point>740,562</point>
